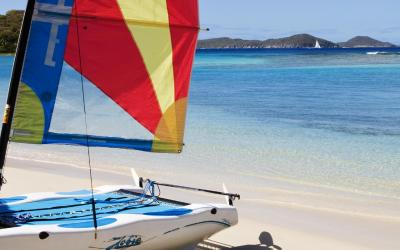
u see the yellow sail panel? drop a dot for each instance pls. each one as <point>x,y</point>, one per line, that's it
<point>29,118</point>
<point>171,128</point>
<point>154,43</point>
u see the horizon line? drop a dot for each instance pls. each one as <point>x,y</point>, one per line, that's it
<point>394,43</point>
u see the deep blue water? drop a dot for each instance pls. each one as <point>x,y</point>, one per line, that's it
<point>343,90</point>
<point>324,116</point>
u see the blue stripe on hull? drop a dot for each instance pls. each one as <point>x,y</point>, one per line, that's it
<point>69,211</point>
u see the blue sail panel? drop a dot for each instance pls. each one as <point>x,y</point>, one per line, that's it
<point>42,70</point>
<point>99,141</point>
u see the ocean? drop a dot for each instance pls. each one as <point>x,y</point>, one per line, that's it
<point>324,117</point>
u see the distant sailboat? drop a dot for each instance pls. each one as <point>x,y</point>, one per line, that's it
<point>317,45</point>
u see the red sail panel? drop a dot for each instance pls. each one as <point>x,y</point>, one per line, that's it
<point>184,25</point>
<point>105,52</point>
<point>140,54</point>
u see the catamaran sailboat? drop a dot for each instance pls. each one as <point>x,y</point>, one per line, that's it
<point>139,55</point>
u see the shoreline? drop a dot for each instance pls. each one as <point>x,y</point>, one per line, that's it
<point>292,224</point>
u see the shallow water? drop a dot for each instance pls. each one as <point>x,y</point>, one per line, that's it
<point>323,117</point>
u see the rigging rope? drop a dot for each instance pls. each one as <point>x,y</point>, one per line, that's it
<point>86,126</point>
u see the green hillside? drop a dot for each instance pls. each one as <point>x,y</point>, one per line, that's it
<point>9,30</point>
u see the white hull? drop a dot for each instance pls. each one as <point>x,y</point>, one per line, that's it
<point>128,231</point>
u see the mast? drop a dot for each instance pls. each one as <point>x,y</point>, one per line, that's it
<point>14,83</point>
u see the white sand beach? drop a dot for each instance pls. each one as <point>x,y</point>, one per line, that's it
<point>297,216</point>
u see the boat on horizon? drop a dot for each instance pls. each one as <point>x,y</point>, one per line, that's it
<point>317,45</point>
<point>140,56</point>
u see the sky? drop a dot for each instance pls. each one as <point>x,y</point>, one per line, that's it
<point>337,20</point>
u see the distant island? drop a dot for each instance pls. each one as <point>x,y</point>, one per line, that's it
<point>296,41</point>
<point>365,41</point>
<point>10,24</point>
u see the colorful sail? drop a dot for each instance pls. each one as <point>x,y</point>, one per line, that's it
<point>139,53</point>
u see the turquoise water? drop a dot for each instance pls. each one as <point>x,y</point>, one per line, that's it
<point>325,117</point>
